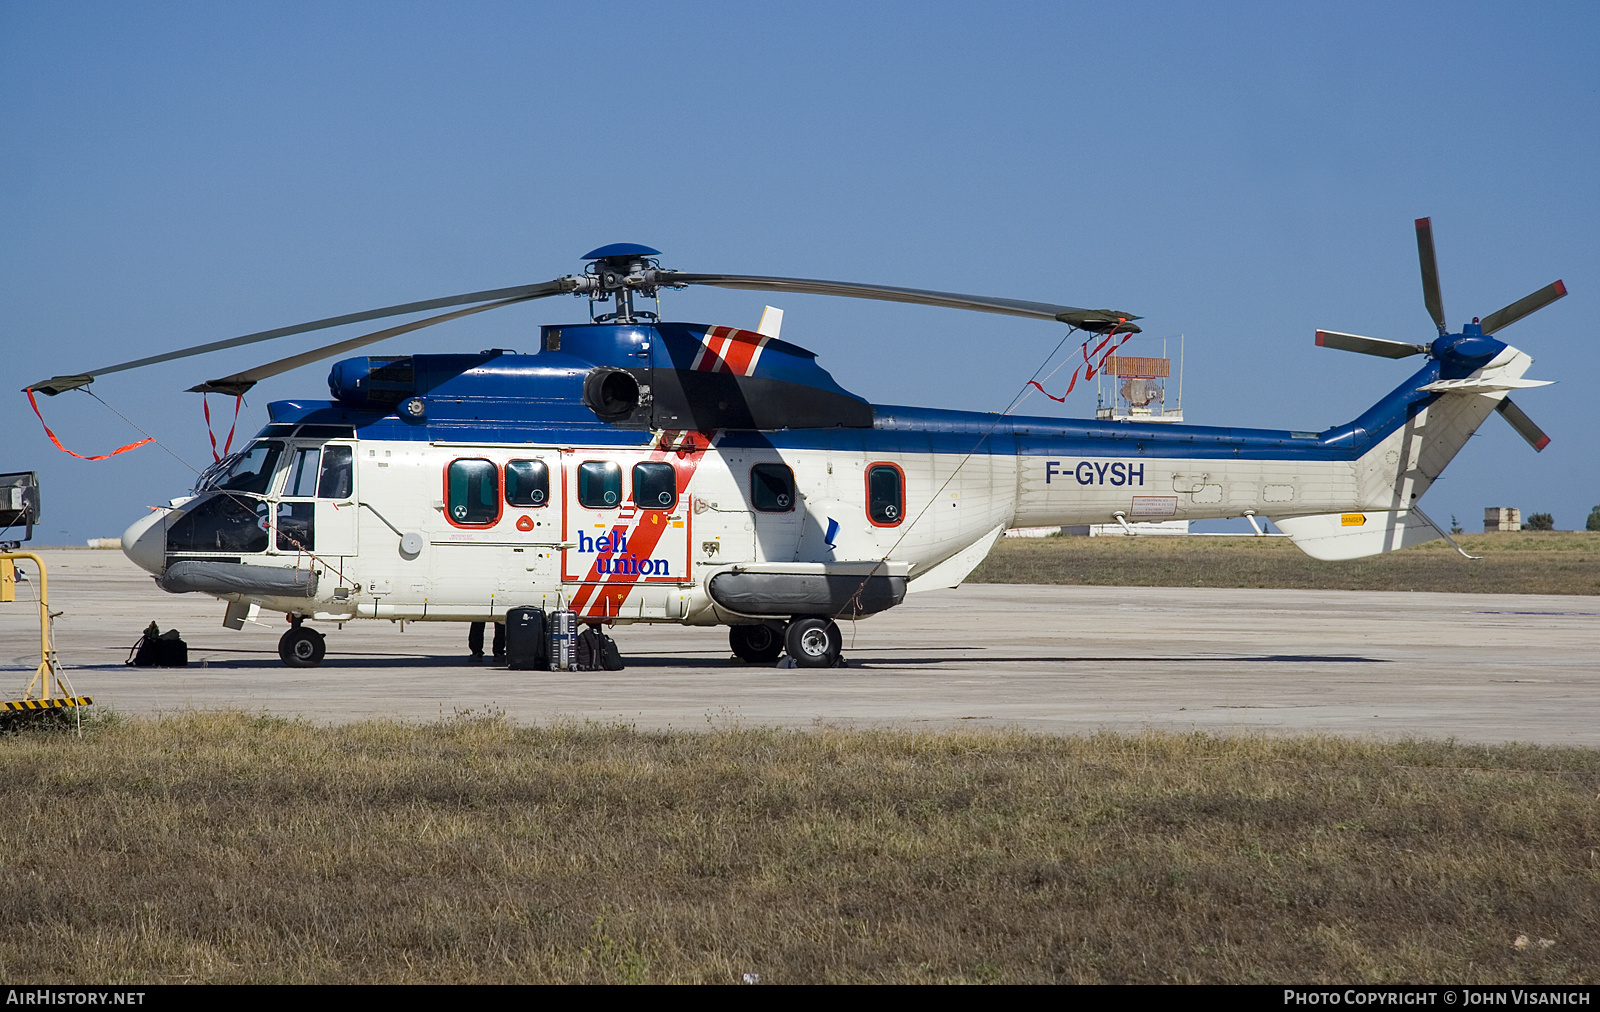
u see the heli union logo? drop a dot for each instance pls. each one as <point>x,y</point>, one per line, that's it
<point>615,557</point>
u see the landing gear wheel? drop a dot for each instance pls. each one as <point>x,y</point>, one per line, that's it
<point>755,644</point>
<point>813,642</point>
<point>302,647</point>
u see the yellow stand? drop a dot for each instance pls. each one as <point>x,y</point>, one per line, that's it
<point>49,688</point>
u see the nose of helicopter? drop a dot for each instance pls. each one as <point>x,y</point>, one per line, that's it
<point>145,543</point>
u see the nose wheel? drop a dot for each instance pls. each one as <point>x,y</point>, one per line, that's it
<point>302,647</point>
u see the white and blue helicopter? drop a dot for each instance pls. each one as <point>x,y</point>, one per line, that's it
<point>636,470</point>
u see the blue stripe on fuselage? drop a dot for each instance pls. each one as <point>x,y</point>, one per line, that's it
<point>900,430</point>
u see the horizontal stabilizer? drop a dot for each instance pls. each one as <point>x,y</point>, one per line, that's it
<point>1333,537</point>
<point>1482,385</point>
<point>1368,345</point>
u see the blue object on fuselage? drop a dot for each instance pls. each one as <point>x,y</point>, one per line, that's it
<point>679,376</point>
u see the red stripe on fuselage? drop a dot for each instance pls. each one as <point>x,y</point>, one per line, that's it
<point>604,593</point>
<point>730,350</point>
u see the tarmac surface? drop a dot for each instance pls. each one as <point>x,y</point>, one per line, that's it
<point>1476,667</point>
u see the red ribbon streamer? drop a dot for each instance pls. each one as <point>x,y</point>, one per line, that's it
<point>63,449</point>
<point>1092,367</point>
<point>205,402</point>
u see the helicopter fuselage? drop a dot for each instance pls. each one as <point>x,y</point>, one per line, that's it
<point>700,475</point>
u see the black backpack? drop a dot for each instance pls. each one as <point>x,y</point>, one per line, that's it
<point>595,651</point>
<point>157,649</point>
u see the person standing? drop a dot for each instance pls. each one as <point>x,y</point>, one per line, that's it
<point>475,641</point>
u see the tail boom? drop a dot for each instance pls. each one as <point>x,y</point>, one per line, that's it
<point>1394,473</point>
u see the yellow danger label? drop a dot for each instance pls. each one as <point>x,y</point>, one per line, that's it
<point>1353,520</point>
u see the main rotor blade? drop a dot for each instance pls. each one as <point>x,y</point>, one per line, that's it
<point>1523,424</point>
<point>1368,345</point>
<point>239,382</point>
<point>1102,321</point>
<point>57,384</point>
<point>1504,318</point>
<point>1430,274</point>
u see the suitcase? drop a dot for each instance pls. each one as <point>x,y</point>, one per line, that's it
<point>527,640</point>
<point>563,639</point>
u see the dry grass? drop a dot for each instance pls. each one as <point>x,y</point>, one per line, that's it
<point>236,848</point>
<point>1547,562</point>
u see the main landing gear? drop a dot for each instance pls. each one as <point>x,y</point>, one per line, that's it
<point>813,642</point>
<point>756,644</point>
<point>302,646</point>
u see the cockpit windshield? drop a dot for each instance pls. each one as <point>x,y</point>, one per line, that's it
<point>250,470</point>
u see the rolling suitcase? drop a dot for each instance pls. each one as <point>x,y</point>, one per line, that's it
<point>563,639</point>
<point>527,641</point>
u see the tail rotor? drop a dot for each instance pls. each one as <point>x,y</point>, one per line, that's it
<point>1472,343</point>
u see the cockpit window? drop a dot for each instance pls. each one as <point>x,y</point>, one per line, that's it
<point>252,472</point>
<point>222,523</point>
<point>326,432</point>
<point>206,480</point>
<point>335,481</point>
<point>303,473</point>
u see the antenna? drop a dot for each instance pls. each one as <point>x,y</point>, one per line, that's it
<point>1139,389</point>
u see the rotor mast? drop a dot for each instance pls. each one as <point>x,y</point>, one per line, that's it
<point>616,272</point>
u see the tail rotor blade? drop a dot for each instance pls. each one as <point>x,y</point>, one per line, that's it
<point>1430,274</point>
<point>1522,307</point>
<point>1523,424</point>
<point>1368,345</point>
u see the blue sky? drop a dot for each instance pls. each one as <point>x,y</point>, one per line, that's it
<point>1242,174</point>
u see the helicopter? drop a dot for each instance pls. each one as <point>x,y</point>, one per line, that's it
<point>634,469</point>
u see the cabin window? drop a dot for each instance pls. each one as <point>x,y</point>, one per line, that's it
<point>336,467</point>
<point>222,523</point>
<point>772,488</point>
<point>527,483</point>
<point>252,472</point>
<point>600,484</point>
<point>472,493</point>
<point>655,485</point>
<point>886,495</point>
<point>303,473</point>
